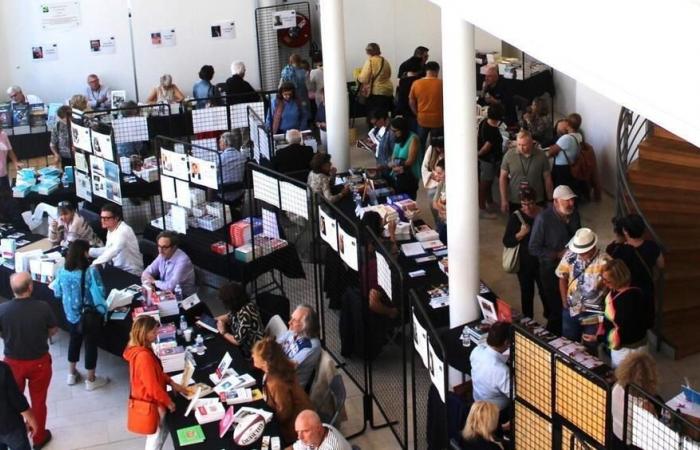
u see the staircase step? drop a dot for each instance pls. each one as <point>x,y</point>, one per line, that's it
<point>677,296</point>
<point>680,329</point>
<point>669,151</point>
<point>683,196</point>
<point>661,175</point>
<point>664,133</point>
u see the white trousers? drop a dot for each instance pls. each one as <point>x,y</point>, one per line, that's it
<point>617,356</point>
<point>156,440</point>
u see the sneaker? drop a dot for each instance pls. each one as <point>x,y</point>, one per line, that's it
<point>73,378</point>
<point>43,444</point>
<point>484,214</point>
<point>98,383</point>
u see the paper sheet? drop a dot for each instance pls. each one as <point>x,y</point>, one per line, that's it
<point>266,188</point>
<point>102,145</point>
<point>81,137</point>
<point>174,164</point>
<point>384,274</point>
<point>99,185</point>
<point>437,371</point>
<point>328,229</point>
<point>209,119</point>
<point>130,129</point>
<point>204,172</point>
<point>239,113</point>
<point>347,247</point>
<point>167,188</point>
<point>111,171</point>
<point>420,340</point>
<point>269,223</point>
<point>264,145</point>
<point>223,30</point>
<point>81,162</point>
<point>294,199</point>
<point>284,19</point>
<point>183,193</point>
<point>83,188</point>
<point>179,216</point>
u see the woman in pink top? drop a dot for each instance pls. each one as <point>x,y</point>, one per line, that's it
<point>5,149</point>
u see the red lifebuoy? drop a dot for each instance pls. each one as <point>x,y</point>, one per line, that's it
<point>298,35</point>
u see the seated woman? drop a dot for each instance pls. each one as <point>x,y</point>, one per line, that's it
<point>286,111</point>
<point>203,90</point>
<point>638,368</point>
<point>628,313</point>
<point>165,92</point>
<point>406,158</point>
<point>70,226</point>
<point>321,178</point>
<point>281,389</point>
<point>241,326</point>
<point>480,429</point>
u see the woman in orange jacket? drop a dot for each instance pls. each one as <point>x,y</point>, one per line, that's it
<point>282,390</point>
<point>147,379</point>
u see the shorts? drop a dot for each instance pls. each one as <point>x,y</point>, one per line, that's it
<point>487,170</point>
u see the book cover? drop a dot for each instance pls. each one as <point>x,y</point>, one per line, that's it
<point>37,115</point>
<point>190,435</point>
<point>5,115</point>
<point>226,422</point>
<point>20,114</point>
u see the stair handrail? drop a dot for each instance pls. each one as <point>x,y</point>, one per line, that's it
<point>632,129</point>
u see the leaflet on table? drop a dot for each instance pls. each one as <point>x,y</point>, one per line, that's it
<point>266,188</point>
<point>81,137</point>
<point>327,228</point>
<point>383,274</point>
<point>420,340</point>
<point>102,145</point>
<point>83,187</point>
<point>81,162</point>
<point>204,172</point>
<point>174,164</point>
<point>437,371</point>
<point>239,113</point>
<point>190,302</point>
<point>412,249</point>
<point>179,217</point>
<point>294,199</point>
<point>234,382</point>
<point>347,248</point>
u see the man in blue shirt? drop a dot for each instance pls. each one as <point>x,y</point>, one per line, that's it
<point>98,96</point>
<point>490,372</point>
<point>232,167</point>
<point>301,343</point>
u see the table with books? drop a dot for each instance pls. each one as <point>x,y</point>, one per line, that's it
<point>224,388</point>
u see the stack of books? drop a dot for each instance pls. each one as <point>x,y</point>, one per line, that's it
<point>443,264</point>
<point>478,333</point>
<point>439,296</point>
<point>236,396</point>
<point>172,358</point>
<point>209,412</point>
<point>149,310</point>
<point>167,336</point>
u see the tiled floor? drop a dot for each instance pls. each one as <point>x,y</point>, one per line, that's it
<point>97,420</point>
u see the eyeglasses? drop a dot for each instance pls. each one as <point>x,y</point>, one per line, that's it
<point>106,217</point>
<point>164,247</point>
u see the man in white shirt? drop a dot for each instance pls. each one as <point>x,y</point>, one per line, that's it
<point>490,373</point>
<point>122,248</point>
<point>17,96</point>
<point>98,95</point>
<point>314,435</point>
<point>301,343</point>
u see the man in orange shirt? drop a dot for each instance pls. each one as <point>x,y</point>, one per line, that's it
<point>425,99</point>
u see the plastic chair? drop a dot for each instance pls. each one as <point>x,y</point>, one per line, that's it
<point>275,326</point>
<point>336,391</point>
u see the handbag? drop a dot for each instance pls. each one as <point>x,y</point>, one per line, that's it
<point>142,416</point>
<point>511,255</point>
<point>91,319</point>
<point>365,90</point>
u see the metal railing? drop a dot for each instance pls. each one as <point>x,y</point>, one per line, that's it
<point>632,129</point>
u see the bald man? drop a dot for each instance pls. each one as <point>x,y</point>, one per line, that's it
<point>314,435</point>
<point>25,326</point>
<point>494,90</point>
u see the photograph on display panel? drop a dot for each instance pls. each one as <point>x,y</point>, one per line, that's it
<point>204,172</point>
<point>174,164</point>
<point>81,137</point>
<point>102,145</point>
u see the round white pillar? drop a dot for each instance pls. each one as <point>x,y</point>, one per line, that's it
<point>334,82</point>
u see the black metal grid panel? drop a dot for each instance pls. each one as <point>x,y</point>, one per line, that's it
<point>651,424</point>
<point>269,44</point>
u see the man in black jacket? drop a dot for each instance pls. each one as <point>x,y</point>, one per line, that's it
<point>13,408</point>
<point>239,90</point>
<point>295,158</point>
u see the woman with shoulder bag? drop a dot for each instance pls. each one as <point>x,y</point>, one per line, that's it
<point>80,287</point>
<point>375,78</point>
<point>517,234</point>
<point>148,399</point>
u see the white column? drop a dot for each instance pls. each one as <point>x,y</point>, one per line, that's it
<point>334,82</point>
<point>459,81</point>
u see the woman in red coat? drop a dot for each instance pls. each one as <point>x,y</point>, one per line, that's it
<point>146,376</point>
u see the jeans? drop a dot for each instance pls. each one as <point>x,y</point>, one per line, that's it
<point>15,440</point>
<point>156,440</point>
<point>552,298</point>
<point>36,372</point>
<point>578,330</point>
<point>76,341</point>
<point>528,277</point>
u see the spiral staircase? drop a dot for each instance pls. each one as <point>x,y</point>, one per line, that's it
<point>659,179</point>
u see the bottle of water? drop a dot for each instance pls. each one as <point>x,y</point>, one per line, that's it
<point>199,345</point>
<point>183,324</point>
<point>178,293</point>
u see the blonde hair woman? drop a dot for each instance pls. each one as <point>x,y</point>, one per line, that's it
<point>479,431</point>
<point>165,92</point>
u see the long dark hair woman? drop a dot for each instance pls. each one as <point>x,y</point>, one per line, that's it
<point>79,285</point>
<point>406,159</point>
<point>287,111</point>
<point>242,325</point>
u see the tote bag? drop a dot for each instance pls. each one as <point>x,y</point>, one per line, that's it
<point>511,255</point>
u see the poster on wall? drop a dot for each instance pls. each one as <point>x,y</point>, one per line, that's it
<point>81,137</point>
<point>163,38</point>
<point>347,248</point>
<point>174,164</point>
<point>204,172</point>
<point>82,186</point>
<point>102,145</point>
<point>284,19</point>
<point>223,30</point>
<point>103,46</point>
<point>60,15</point>
<point>45,52</point>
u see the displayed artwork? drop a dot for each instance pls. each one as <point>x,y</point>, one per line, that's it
<point>437,371</point>
<point>83,187</point>
<point>103,46</point>
<point>420,340</point>
<point>60,15</point>
<point>383,274</point>
<point>163,38</point>
<point>81,161</point>
<point>102,145</point>
<point>45,52</point>
<point>328,229</point>
<point>347,248</point>
<point>223,30</point>
<point>81,137</point>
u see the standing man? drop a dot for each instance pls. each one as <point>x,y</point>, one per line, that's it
<point>301,343</point>
<point>551,233</point>
<point>582,289</point>
<point>98,96</point>
<point>425,100</point>
<point>122,248</point>
<point>523,166</point>
<point>421,53</point>
<point>25,325</point>
<point>14,410</point>
<point>295,158</point>
<point>493,91</point>
<point>315,435</point>
<point>232,169</point>
<point>171,267</point>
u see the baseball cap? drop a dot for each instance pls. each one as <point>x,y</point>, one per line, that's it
<point>563,192</point>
